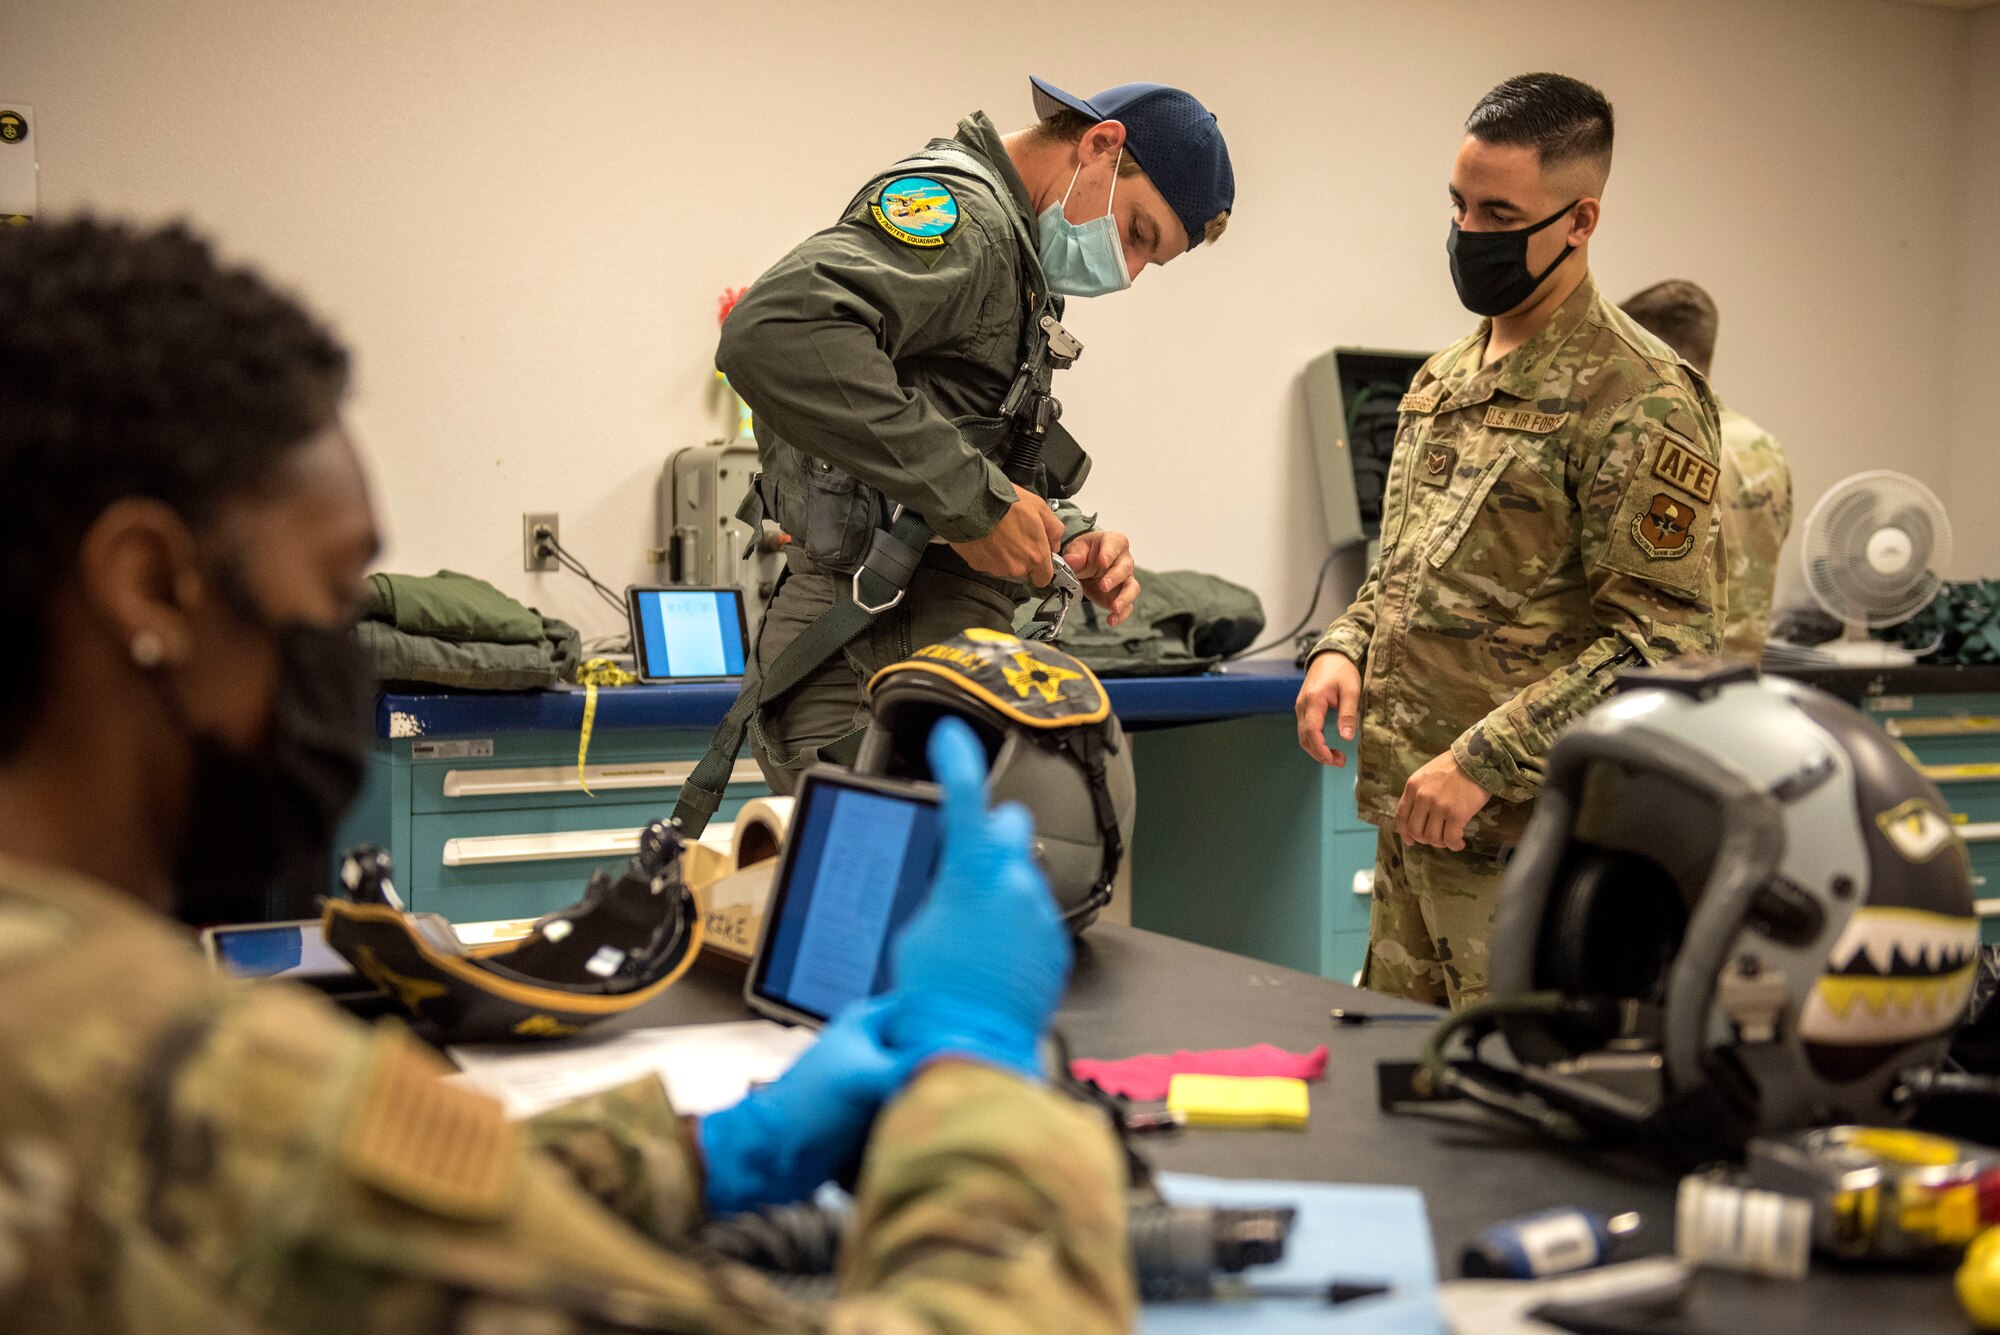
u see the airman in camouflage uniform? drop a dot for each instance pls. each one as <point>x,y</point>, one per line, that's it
<point>1548,519</point>
<point>179,1153</point>
<point>1756,517</point>
<point>1756,480</point>
<point>184,719</point>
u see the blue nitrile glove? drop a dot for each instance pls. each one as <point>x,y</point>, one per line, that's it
<point>782,1142</point>
<point>980,969</point>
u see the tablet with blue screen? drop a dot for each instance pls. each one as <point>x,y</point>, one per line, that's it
<point>683,633</point>
<point>857,864</point>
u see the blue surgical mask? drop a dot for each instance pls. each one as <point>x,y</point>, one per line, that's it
<point>1084,259</point>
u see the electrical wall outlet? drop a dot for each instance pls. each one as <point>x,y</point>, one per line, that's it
<point>537,531</point>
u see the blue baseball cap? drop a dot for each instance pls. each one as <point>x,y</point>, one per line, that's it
<point>1174,137</point>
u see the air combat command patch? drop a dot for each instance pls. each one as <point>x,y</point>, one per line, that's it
<point>916,210</point>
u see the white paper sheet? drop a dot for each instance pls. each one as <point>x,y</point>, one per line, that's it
<point>705,1066</point>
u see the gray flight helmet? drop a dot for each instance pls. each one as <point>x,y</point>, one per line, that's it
<point>1749,885</point>
<point>1052,744</point>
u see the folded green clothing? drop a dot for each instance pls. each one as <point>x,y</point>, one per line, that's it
<point>451,606</point>
<point>551,659</point>
<point>1184,622</point>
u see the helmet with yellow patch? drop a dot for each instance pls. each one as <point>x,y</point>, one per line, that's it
<point>1745,910</point>
<point>1052,744</point>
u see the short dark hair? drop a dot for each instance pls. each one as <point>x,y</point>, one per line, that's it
<point>1563,119</point>
<point>132,363</point>
<point>1681,315</point>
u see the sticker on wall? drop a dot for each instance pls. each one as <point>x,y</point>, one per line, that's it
<point>17,162</point>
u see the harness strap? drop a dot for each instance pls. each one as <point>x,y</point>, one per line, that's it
<point>1087,746</point>
<point>878,585</point>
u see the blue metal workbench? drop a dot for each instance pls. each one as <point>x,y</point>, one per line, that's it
<point>1241,690</point>
<point>1242,842</point>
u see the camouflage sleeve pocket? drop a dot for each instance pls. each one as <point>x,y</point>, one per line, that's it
<point>1663,529</point>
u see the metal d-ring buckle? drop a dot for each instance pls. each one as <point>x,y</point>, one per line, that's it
<point>872,609</point>
<point>854,588</point>
<point>1064,590</point>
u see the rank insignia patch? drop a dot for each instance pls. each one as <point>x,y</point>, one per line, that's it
<point>1666,530</point>
<point>916,210</point>
<point>1436,463</point>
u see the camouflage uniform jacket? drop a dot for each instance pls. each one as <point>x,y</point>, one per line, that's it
<point>181,1153</point>
<point>1756,516</point>
<point>1547,519</point>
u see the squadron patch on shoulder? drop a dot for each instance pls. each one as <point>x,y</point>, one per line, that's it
<point>916,211</point>
<point>1687,470</point>
<point>1665,531</point>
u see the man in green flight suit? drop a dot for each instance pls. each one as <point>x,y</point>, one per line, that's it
<point>898,361</point>
<point>1550,516</point>
<point>185,713</point>
<point>1756,478</point>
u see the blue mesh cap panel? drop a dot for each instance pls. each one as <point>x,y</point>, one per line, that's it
<point>1174,137</point>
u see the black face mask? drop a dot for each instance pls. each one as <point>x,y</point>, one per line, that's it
<point>1490,269</point>
<point>257,819</point>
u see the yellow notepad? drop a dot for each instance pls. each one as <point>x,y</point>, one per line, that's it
<point>1238,1100</point>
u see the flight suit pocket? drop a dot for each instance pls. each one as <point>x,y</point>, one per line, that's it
<point>1512,530</point>
<point>841,516</point>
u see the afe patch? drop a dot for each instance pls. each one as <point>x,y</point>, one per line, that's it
<point>916,211</point>
<point>1525,419</point>
<point>1435,465</point>
<point>1687,470</point>
<point>1665,531</point>
<point>1915,830</point>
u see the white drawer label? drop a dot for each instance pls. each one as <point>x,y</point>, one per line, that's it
<point>479,750</point>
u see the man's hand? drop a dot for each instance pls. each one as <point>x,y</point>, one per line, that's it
<point>1436,804</point>
<point>1333,685</point>
<point>1020,545</point>
<point>1102,562</point>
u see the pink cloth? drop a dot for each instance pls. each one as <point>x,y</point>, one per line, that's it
<point>1145,1078</point>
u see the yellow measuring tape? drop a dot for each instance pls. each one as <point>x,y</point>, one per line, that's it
<point>593,674</point>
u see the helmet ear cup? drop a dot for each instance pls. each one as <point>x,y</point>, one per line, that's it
<point>1614,925</point>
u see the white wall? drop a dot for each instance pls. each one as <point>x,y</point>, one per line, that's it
<point>520,214</point>
<point>1975,438</point>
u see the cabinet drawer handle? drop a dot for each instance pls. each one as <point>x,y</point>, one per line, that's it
<point>1985,832</point>
<point>1968,773</point>
<point>1957,725</point>
<point>1986,908</point>
<point>562,778</point>
<point>493,850</point>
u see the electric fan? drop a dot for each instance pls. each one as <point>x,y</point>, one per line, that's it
<point>1872,548</point>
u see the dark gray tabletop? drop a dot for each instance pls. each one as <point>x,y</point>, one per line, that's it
<point>1136,991</point>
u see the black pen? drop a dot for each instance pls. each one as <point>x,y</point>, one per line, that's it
<point>1381,1017</point>
<point>1231,1289</point>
